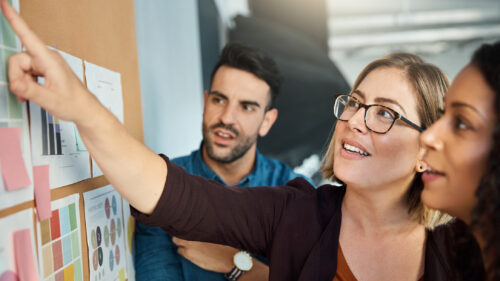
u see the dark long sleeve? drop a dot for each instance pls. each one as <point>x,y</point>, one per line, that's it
<point>194,208</point>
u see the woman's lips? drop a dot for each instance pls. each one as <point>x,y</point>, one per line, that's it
<point>351,155</point>
<point>430,176</point>
<point>353,150</point>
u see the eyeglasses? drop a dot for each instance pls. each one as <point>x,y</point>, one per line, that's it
<point>378,118</point>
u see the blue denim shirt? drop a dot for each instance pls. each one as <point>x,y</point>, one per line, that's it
<point>156,256</point>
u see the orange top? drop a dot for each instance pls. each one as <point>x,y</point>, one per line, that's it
<point>344,272</point>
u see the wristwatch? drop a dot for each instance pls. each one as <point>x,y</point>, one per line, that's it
<point>242,263</point>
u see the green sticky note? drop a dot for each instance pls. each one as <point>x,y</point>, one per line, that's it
<point>8,35</point>
<point>78,270</point>
<point>15,108</point>
<point>72,216</point>
<point>75,245</point>
<point>5,57</point>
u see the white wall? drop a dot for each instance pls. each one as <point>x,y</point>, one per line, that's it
<point>170,74</point>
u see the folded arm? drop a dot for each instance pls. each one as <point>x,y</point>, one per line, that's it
<point>156,256</point>
<point>218,258</point>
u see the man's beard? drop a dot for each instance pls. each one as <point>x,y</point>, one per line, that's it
<point>244,144</point>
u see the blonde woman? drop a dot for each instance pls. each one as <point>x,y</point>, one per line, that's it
<point>371,228</point>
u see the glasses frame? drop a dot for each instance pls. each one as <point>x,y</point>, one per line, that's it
<point>397,115</point>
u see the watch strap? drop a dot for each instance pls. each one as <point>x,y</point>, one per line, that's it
<point>234,274</point>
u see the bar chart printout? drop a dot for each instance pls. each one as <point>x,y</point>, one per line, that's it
<point>51,134</point>
<point>56,142</point>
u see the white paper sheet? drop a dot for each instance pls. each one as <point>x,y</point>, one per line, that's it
<point>57,143</point>
<point>59,241</point>
<point>107,87</point>
<point>13,114</point>
<point>129,229</point>
<point>9,225</point>
<point>105,234</point>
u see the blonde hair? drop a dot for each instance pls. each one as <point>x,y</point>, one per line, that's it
<point>429,84</point>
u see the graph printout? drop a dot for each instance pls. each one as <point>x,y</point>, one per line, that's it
<point>12,113</point>
<point>105,234</point>
<point>57,143</point>
<point>59,241</point>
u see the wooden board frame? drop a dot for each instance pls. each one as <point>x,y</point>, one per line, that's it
<point>100,32</point>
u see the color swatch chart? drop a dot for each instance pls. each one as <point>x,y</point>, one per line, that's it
<point>105,234</point>
<point>59,242</point>
<point>9,45</point>
<point>12,114</point>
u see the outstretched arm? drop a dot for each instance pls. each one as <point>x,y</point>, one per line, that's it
<point>136,172</point>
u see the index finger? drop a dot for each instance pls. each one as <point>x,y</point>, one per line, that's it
<point>33,44</point>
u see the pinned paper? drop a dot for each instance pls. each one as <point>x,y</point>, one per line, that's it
<point>25,260</point>
<point>42,192</point>
<point>60,242</point>
<point>106,85</point>
<point>9,276</point>
<point>105,233</point>
<point>56,142</point>
<point>14,170</point>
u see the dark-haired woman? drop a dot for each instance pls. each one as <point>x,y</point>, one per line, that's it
<point>463,154</point>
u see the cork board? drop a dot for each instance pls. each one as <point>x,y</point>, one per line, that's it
<point>103,33</point>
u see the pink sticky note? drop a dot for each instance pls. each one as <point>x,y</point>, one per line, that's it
<point>14,171</point>
<point>9,276</point>
<point>25,260</point>
<point>42,192</point>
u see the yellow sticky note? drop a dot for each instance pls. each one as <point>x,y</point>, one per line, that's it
<point>121,275</point>
<point>69,273</point>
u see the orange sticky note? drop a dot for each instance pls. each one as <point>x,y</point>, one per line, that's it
<point>25,260</point>
<point>14,170</point>
<point>9,276</point>
<point>42,192</point>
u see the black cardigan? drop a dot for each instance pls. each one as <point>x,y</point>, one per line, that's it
<point>296,226</point>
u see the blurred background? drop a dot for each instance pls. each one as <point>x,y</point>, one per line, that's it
<point>319,45</point>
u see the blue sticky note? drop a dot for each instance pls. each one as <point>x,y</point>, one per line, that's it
<point>67,253</point>
<point>64,219</point>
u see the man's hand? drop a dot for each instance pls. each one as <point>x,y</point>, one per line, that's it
<point>62,95</point>
<point>212,257</point>
<point>218,258</point>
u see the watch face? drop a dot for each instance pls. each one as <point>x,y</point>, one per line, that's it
<point>243,261</point>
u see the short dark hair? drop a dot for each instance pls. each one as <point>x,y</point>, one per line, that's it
<point>254,61</point>
<point>486,214</point>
